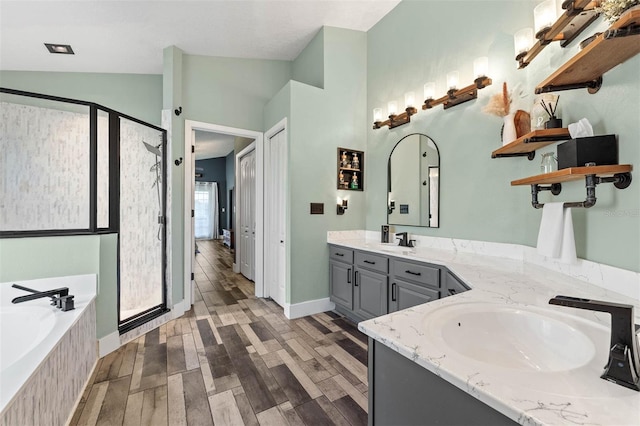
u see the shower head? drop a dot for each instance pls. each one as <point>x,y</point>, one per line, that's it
<point>152,149</point>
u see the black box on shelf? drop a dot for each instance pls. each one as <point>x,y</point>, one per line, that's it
<point>602,150</point>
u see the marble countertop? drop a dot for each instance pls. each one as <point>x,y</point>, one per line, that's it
<point>576,396</point>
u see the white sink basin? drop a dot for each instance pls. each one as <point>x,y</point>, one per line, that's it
<point>509,337</point>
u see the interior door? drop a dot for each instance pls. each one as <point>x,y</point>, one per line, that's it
<point>247,215</point>
<point>275,223</point>
<point>252,212</point>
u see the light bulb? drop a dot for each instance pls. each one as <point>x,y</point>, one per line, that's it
<point>429,90</point>
<point>392,108</point>
<point>523,40</point>
<point>409,100</point>
<point>481,66</point>
<point>452,79</point>
<point>544,15</point>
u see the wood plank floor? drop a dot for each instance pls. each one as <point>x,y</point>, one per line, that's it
<point>233,359</point>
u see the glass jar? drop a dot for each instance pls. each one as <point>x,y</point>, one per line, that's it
<point>355,163</point>
<point>549,162</point>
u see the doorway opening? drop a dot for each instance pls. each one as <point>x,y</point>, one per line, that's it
<point>225,146</point>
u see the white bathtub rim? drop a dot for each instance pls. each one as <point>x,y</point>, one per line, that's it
<point>83,287</point>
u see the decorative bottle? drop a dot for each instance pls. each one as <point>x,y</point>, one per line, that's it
<point>355,163</point>
<point>344,162</point>
<point>354,181</point>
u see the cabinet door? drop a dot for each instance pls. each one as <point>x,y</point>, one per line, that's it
<point>341,284</point>
<point>370,290</point>
<point>453,285</point>
<point>405,295</point>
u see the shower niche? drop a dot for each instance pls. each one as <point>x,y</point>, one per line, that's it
<point>70,167</point>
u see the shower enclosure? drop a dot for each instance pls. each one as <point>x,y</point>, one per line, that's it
<point>70,167</point>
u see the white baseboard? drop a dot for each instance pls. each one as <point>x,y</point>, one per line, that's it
<point>236,268</point>
<point>179,309</point>
<point>108,344</point>
<point>310,307</point>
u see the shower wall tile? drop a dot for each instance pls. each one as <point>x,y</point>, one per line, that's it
<point>44,168</point>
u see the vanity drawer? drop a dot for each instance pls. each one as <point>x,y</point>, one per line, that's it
<point>416,272</point>
<point>372,262</point>
<point>341,254</point>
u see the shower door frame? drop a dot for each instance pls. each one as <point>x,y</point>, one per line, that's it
<point>114,197</point>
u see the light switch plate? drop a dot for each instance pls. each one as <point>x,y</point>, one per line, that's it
<point>317,208</point>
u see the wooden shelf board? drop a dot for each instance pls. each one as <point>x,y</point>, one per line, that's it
<point>349,169</point>
<point>524,144</point>
<point>573,173</point>
<point>599,56</point>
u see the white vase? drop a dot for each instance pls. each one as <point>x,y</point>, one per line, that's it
<point>509,129</point>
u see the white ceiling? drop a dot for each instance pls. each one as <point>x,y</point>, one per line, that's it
<point>213,145</point>
<point>129,36</point>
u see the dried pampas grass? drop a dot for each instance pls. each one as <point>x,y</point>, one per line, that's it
<point>500,103</point>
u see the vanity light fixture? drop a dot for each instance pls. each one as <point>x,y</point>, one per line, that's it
<point>63,49</point>
<point>342,206</point>
<point>457,96</point>
<point>549,27</point>
<point>395,119</point>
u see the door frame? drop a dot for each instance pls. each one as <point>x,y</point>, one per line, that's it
<point>189,127</point>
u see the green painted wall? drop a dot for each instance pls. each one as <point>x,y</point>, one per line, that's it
<point>320,122</point>
<point>33,258</point>
<point>308,67</point>
<point>230,92</point>
<point>138,95</point>
<point>477,201</point>
<point>107,301</point>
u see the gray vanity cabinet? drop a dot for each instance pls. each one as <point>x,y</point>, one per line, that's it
<point>412,284</point>
<point>452,284</point>
<point>370,285</point>
<point>341,276</point>
<point>402,392</point>
<point>365,285</point>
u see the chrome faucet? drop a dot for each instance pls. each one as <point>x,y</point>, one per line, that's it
<point>60,297</point>
<point>623,366</point>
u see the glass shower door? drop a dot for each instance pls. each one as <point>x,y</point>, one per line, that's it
<point>142,230</point>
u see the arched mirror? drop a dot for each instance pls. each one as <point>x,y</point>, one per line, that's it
<point>414,182</point>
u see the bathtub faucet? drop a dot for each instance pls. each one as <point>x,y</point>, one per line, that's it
<point>60,297</point>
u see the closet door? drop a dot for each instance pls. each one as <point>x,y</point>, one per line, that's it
<point>275,220</point>
<point>247,215</point>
